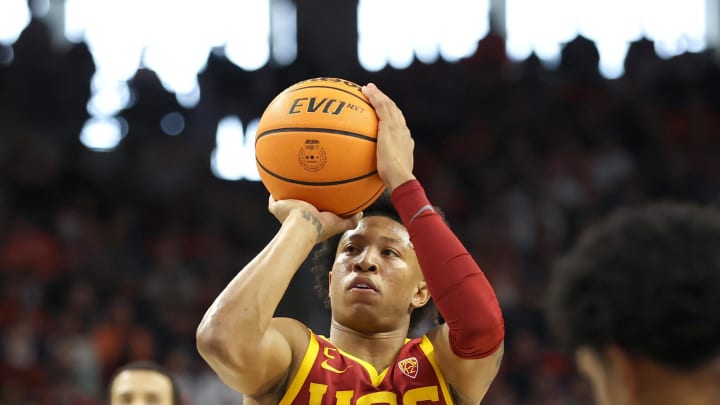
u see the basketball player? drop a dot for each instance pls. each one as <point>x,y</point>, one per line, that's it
<point>143,383</point>
<point>383,271</point>
<point>638,303</point>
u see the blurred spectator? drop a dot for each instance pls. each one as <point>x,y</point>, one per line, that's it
<point>143,383</point>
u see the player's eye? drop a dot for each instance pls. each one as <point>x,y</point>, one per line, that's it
<point>125,399</point>
<point>391,252</point>
<point>350,248</point>
<point>153,400</point>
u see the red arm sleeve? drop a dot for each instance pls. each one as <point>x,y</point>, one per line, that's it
<point>459,288</point>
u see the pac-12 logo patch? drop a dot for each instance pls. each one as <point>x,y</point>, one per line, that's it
<point>409,366</point>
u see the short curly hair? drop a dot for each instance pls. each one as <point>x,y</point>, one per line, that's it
<point>645,279</point>
<point>323,258</point>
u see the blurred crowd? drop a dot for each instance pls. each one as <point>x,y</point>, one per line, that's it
<point>111,257</point>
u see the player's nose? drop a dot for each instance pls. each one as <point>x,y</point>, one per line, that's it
<point>366,261</point>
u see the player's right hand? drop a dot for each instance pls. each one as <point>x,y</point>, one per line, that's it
<point>395,144</point>
<point>327,223</point>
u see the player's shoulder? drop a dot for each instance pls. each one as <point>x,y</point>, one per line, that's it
<point>437,334</point>
<point>418,344</point>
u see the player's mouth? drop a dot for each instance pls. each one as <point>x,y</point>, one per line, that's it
<point>362,284</point>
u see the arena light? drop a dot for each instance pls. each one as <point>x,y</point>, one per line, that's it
<point>234,155</point>
<point>172,123</point>
<point>676,26</point>
<point>173,39</point>
<point>189,99</point>
<point>427,31</point>
<point>103,134</point>
<point>109,99</point>
<point>284,31</point>
<point>539,27</point>
<point>14,17</point>
<point>249,43</point>
<point>39,8</point>
<point>612,60</point>
<point>468,23</point>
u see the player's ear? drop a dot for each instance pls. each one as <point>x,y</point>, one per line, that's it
<point>593,366</point>
<point>623,369</point>
<point>421,295</point>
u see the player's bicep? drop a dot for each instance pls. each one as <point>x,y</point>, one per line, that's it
<point>470,379</point>
<point>260,369</point>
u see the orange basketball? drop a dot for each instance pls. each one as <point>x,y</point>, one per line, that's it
<point>316,141</point>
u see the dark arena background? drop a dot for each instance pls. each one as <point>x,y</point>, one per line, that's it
<point>129,194</point>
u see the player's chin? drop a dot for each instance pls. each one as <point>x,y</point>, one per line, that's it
<point>360,304</point>
<point>372,299</point>
<point>363,319</point>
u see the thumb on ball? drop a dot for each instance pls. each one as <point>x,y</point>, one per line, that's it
<point>353,220</point>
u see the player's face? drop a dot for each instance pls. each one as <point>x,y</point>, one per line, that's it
<point>141,387</point>
<point>376,279</point>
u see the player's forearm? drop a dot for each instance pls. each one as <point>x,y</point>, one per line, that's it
<point>240,315</point>
<point>459,288</point>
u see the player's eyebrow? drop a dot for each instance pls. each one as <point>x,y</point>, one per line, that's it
<point>358,237</point>
<point>389,239</point>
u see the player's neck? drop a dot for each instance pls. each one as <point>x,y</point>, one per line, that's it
<point>665,386</point>
<point>683,394</point>
<point>378,349</point>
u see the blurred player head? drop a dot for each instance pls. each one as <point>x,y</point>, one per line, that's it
<point>143,383</point>
<point>637,301</point>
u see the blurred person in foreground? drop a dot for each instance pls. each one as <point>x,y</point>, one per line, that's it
<point>637,301</point>
<point>143,383</point>
<point>384,272</point>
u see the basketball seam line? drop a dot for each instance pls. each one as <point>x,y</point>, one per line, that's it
<point>308,183</point>
<point>321,130</point>
<point>379,190</point>
<point>334,88</point>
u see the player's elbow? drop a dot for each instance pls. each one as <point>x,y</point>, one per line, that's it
<point>220,352</point>
<point>214,342</point>
<point>478,339</point>
<point>209,342</point>
<point>233,364</point>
